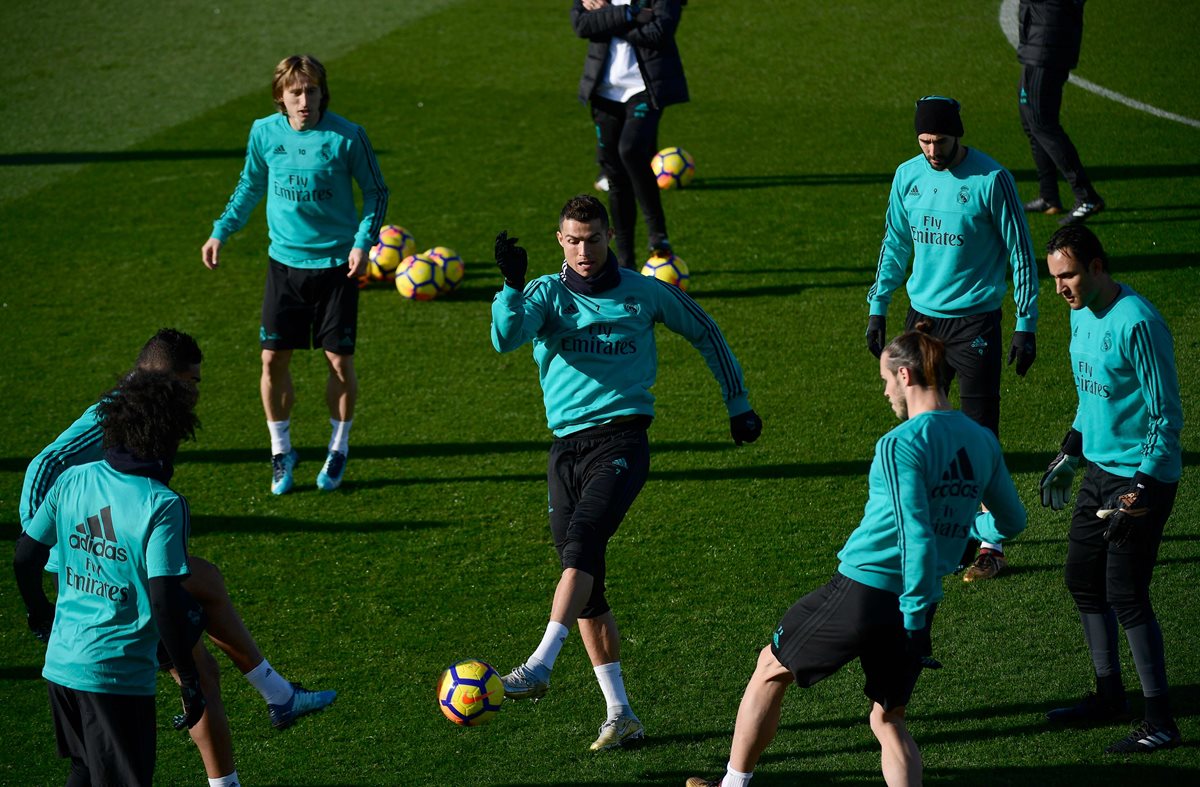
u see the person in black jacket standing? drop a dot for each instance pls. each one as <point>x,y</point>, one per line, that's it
<point>632,72</point>
<point>1051,32</point>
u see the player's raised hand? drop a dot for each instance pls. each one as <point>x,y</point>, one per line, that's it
<point>512,260</point>
<point>1023,350</point>
<point>745,428</point>
<point>876,334</point>
<point>210,253</point>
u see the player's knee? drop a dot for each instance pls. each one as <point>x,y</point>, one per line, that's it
<point>885,721</point>
<point>208,671</point>
<point>275,362</point>
<point>769,669</point>
<point>1089,597</point>
<point>205,583</point>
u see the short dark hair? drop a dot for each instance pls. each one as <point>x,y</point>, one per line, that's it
<point>585,209</point>
<point>1081,242</point>
<point>169,350</point>
<point>148,414</point>
<point>922,354</point>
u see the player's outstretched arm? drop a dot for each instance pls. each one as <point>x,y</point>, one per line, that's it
<point>1005,516</point>
<point>518,312</point>
<point>210,253</point>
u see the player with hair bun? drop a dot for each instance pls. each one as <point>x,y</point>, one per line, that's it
<point>926,482</point>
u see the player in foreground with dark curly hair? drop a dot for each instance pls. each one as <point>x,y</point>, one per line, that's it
<point>1127,425</point>
<point>120,535</point>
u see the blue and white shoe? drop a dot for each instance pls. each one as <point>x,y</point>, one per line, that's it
<point>302,703</point>
<point>330,477</point>
<point>282,466</point>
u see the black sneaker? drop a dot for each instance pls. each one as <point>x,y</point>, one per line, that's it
<point>1146,738</point>
<point>1082,212</point>
<point>1092,709</point>
<point>1043,205</point>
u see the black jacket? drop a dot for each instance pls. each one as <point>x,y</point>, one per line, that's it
<point>1051,33</point>
<point>653,41</point>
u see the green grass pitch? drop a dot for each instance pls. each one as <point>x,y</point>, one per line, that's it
<point>123,136</point>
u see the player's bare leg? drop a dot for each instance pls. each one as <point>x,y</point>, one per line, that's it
<point>574,587</point>
<point>211,734</point>
<point>901,759</point>
<point>225,627</point>
<point>531,679</point>
<point>278,396</point>
<point>758,713</point>
<point>602,639</point>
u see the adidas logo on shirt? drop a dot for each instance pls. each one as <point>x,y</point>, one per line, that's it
<point>914,191</point>
<point>957,477</point>
<point>98,538</point>
<point>280,150</point>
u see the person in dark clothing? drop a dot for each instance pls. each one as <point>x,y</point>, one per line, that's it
<point>1050,36</point>
<point>631,74</point>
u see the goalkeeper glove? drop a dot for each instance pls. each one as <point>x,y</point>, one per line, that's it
<point>745,428</point>
<point>1126,510</point>
<point>1060,475</point>
<point>193,702</point>
<point>1023,350</point>
<point>919,647</point>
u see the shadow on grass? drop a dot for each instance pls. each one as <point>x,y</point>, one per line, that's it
<point>1066,775</point>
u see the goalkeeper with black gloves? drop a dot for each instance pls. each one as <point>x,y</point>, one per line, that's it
<point>926,482</point>
<point>592,330</point>
<point>1127,425</point>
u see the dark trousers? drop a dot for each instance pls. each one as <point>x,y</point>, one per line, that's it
<point>109,738</point>
<point>626,141</point>
<point>1100,575</point>
<point>1053,152</point>
<point>974,355</point>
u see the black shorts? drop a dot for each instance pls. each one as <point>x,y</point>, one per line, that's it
<point>112,736</point>
<point>593,478</point>
<point>842,621</point>
<point>975,355</point>
<point>309,307</point>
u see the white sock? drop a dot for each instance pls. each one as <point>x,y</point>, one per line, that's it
<point>612,683</point>
<point>340,439</point>
<point>270,684</point>
<point>281,436</point>
<point>552,642</point>
<point>225,781</point>
<point>736,778</point>
<point>994,547</point>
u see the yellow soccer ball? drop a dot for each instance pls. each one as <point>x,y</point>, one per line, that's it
<point>673,168</point>
<point>453,268</point>
<point>669,269</point>
<point>470,692</point>
<point>419,278</point>
<point>395,243</point>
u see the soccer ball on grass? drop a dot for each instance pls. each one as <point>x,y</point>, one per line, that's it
<point>453,268</point>
<point>395,243</point>
<point>419,278</point>
<point>470,692</point>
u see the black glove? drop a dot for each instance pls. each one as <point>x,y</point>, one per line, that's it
<point>919,647</point>
<point>1060,475</point>
<point>745,428</point>
<point>193,702</point>
<point>1023,351</point>
<point>40,624</point>
<point>512,260</point>
<point>1126,510</point>
<point>876,334</point>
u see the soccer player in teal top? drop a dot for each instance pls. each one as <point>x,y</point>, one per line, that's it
<point>120,535</point>
<point>955,213</point>
<point>1127,426</point>
<point>176,353</point>
<point>926,482</point>
<point>306,159</point>
<point>592,329</point>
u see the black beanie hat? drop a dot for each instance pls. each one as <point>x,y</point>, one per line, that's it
<point>938,115</point>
